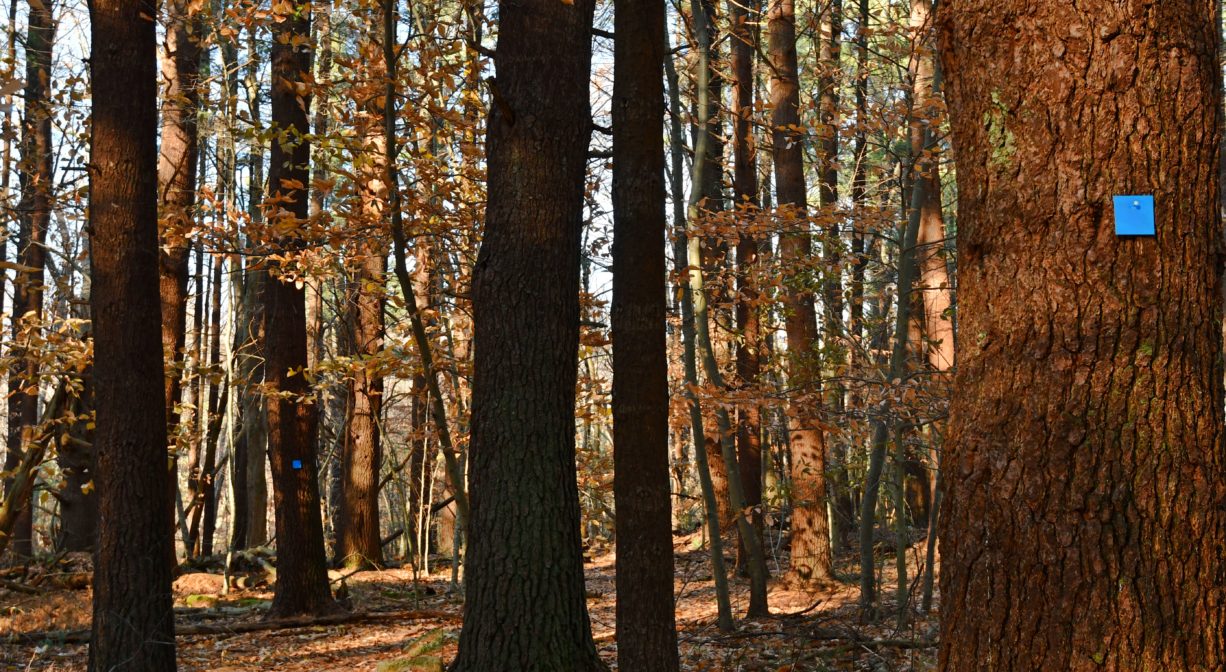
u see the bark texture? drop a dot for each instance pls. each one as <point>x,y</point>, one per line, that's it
<point>1084,524</point>
<point>811,555</point>
<point>646,624</point>
<point>302,576</point>
<point>133,622</point>
<point>525,607</point>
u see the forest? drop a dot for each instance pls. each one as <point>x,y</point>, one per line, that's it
<point>590,335</point>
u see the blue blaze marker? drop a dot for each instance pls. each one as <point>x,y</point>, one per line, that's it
<point>1134,215</point>
<point>296,464</point>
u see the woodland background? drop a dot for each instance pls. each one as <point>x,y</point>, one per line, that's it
<point>322,196</point>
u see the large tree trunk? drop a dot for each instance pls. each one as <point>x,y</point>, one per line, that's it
<point>1083,525</point>
<point>811,556</point>
<point>35,217</point>
<point>302,576</point>
<point>133,622</point>
<point>646,624</point>
<point>520,613</point>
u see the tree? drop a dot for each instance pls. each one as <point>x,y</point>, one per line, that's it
<point>35,218</point>
<point>646,623</point>
<point>133,620</point>
<point>1083,524</point>
<point>744,42</point>
<point>811,556</point>
<point>177,166</point>
<point>302,575</point>
<point>359,543</point>
<point>522,613</point>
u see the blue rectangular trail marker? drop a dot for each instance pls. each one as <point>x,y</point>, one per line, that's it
<point>1134,215</point>
<point>296,464</point>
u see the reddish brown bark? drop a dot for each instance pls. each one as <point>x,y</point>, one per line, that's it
<point>133,622</point>
<point>811,556</point>
<point>1083,526</point>
<point>176,170</point>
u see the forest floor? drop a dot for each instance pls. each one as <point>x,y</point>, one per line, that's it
<point>807,630</point>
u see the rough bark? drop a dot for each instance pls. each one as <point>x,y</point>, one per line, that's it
<point>646,623</point>
<point>34,213</point>
<point>1083,523</point>
<point>810,544</point>
<point>133,622</point>
<point>359,543</point>
<point>522,614</point>
<point>302,577</point>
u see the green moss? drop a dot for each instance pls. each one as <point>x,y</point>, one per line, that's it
<point>1003,143</point>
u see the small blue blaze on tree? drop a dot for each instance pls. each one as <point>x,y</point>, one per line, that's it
<point>1134,215</point>
<point>296,464</point>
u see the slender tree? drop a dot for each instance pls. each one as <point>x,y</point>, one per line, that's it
<point>522,613</point>
<point>133,620</point>
<point>1083,524</point>
<point>177,167</point>
<point>811,555</point>
<point>744,42</point>
<point>302,576</point>
<point>35,218</point>
<point>646,624</point>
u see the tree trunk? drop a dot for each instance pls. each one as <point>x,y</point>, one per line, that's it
<point>78,500</point>
<point>1083,523</point>
<point>133,622</point>
<point>214,412</point>
<point>522,614</point>
<point>302,577</point>
<point>646,623</point>
<point>744,41</point>
<point>359,543</point>
<point>251,361</point>
<point>35,217</point>
<point>689,350</point>
<point>811,556</point>
<point>177,168</point>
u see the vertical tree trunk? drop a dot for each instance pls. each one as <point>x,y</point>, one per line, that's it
<point>302,577</point>
<point>689,351</point>
<point>78,501</point>
<point>1083,523</point>
<point>177,167</point>
<point>359,543</point>
<point>522,614</point>
<point>811,556</point>
<point>744,42</point>
<point>251,363</point>
<point>214,412</point>
<point>34,212</point>
<point>133,623</point>
<point>646,623</point>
